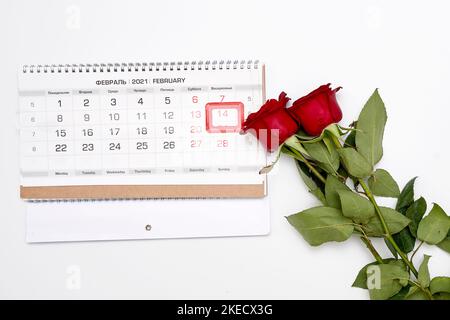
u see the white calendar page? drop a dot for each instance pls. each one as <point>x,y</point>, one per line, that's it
<point>132,124</point>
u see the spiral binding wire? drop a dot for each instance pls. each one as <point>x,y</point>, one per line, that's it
<point>119,199</point>
<point>143,67</point>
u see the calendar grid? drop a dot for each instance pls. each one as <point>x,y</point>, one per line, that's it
<point>102,143</point>
<point>73,135</point>
<point>145,127</point>
<point>128,132</point>
<point>46,133</point>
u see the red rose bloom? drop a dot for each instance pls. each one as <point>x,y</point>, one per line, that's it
<point>272,124</point>
<point>317,110</point>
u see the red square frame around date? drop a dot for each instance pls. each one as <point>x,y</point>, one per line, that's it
<point>210,106</point>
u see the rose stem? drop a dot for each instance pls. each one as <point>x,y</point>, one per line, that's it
<point>372,250</point>
<point>309,165</point>
<point>424,290</point>
<point>415,251</point>
<point>366,240</point>
<point>388,234</point>
<point>385,227</point>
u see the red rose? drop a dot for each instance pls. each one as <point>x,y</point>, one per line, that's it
<point>272,124</point>
<point>317,110</point>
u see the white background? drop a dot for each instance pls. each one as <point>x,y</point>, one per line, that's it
<point>401,47</point>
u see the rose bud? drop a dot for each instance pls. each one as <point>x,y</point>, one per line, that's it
<point>317,110</point>
<point>272,124</point>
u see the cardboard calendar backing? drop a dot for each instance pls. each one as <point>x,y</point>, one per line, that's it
<point>224,185</point>
<point>144,191</point>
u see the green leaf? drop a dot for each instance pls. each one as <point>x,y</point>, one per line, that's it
<point>415,213</point>
<point>350,140</point>
<point>382,184</point>
<point>371,123</point>
<point>306,175</point>
<point>343,173</point>
<point>322,224</point>
<point>356,207</point>
<point>406,197</point>
<point>405,240</point>
<point>355,163</point>
<point>416,293</point>
<point>434,227</point>
<point>319,195</point>
<point>424,273</point>
<point>395,222</point>
<point>440,284</point>
<point>401,295</point>
<point>329,160</point>
<point>441,296</point>
<point>392,279</point>
<point>288,151</point>
<point>361,278</point>
<point>330,145</point>
<point>445,244</point>
<point>332,188</point>
<point>391,248</point>
<point>269,167</point>
<point>332,129</point>
<point>295,144</point>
